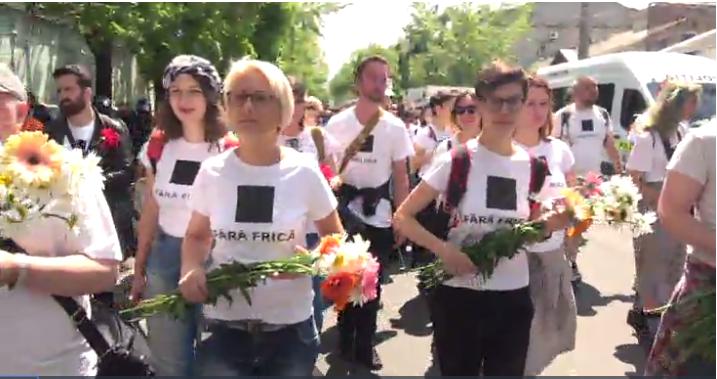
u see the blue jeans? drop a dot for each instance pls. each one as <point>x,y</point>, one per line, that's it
<point>289,351</point>
<point>170,341</point>
<point>320,305</point>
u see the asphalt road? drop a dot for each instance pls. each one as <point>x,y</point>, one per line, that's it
<point>605,343</point>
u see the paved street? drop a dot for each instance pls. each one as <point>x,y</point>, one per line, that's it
<point>605,344</point>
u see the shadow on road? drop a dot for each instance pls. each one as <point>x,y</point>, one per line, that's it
<point>587,297</point>
<point>414,318</point>
<point>632,354</point>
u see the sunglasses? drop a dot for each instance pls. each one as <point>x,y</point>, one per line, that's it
<point>471,110</point>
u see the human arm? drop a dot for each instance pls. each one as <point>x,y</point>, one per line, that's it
<point>146,230</point>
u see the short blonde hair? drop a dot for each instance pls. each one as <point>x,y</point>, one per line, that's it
<point>311,100</point>
<point>278,82</point>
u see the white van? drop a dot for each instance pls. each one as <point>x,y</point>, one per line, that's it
<point>629,82</point>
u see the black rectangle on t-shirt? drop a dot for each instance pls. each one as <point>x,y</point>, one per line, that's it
<point>588,126</point>
<point>184,172</point>
<point>293,143</point>
<point>367,146</point>
<point>501,193</point>
<point>255,204</point>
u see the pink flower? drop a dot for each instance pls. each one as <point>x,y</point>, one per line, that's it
<point>369,280</point>
<point>592,184</point>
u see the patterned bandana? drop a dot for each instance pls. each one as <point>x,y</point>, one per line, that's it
<point>200,68</point>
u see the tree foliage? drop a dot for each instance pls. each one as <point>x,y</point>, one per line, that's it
<point>446,47</point>
<point>156,31</point>
<point>301,54</point>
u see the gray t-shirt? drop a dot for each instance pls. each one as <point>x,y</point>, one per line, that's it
<point>695,157</point>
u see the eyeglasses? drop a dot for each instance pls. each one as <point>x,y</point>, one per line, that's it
<point>257,98</point>
<point>459,111</point>
<point>495,104</point>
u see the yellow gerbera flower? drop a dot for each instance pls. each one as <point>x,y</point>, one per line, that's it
<point>32,159</point>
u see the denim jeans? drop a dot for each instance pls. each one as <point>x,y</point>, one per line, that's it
<point>289,351</point>
<point>320,305</point>
<point>170,341</point>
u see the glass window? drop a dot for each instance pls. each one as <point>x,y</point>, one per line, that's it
<point>606,95</point>
<point>633,104</point>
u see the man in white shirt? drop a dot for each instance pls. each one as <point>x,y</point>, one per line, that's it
<point>365,171</point>
<point>439,130</point>
<point>587,128</point>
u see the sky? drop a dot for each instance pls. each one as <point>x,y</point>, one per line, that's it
<point>370,21</point>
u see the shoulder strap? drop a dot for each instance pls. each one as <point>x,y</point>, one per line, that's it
<point>538,173</point>
<point>359,140</point>
<point>84,325</point>
<point>458,179</point>
<point>564,119</point>
<point>318,138</point>
<point>432,134</point>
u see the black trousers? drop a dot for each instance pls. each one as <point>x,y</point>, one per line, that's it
<point>481,331</point>
<point>357,325</point>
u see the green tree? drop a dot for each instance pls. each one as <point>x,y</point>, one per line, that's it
<point>157,32</point>
<point>301,54</point>
<point>341,85</point>
<point>447,48</point>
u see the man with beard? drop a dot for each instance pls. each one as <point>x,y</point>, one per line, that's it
<point>375,146</point>
<point>587,128</point>
<point>80,126</point>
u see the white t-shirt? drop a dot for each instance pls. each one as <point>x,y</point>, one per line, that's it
<point>428,139</point>
<point>176,170</point>
<point>496,197</point>
<point>304,143</point>
<point>560,162</point>
<point>648,154</point>
<point>81,133</point>
<point>413,130</point>
<point>585,132</point>
<point>372,166</point>
<point>259,213</point>
<point>444,147</point>
<point>695,157</point>
<point>38,336</point>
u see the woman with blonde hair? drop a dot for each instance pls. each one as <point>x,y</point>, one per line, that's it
<point>658,256</point>
<point>251,204</point>
<point>555,320</point>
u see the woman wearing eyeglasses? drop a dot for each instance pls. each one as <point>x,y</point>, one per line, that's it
<point>482,325</point>
<point>555,319</point>
<point>251,204</point>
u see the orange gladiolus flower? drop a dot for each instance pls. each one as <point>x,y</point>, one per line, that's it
<point>580,228</point>
<point>338,288</point>
<point>328,244</point>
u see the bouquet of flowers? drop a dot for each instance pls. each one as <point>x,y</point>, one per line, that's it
<point>613,202</point>
<point>351,271</point>
<point>41,179</point>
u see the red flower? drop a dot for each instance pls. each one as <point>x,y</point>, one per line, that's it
<point>338,287</point>
<point>110,139</point>
<point>156,144</point>
<point>327,171</point>
<point>230,141</point>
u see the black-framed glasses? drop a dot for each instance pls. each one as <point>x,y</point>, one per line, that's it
<point>257,98</point>
<point>471,110</point>
<point>495,104</point>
